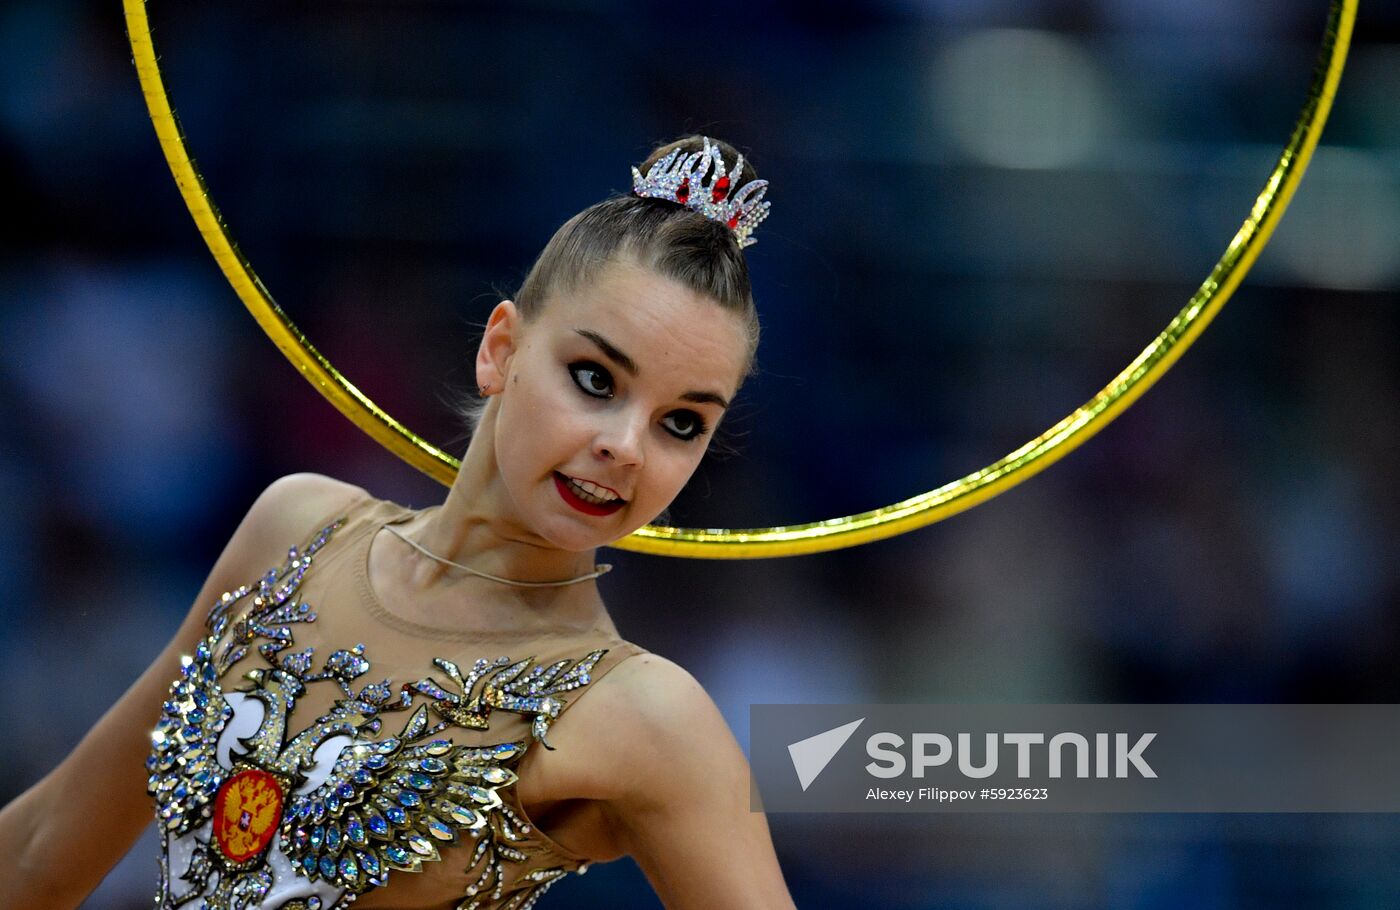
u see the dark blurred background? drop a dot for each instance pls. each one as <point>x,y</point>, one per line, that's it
<point>982,209</point>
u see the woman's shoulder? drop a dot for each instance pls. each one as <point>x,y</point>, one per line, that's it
<point>289,507</point>
<point>654,685</point>
<point>656,713</point>
<point>287,513</point>
<point>293,501</point>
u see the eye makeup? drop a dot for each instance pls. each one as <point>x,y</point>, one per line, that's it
<point>594,380</point>
<point>611,351</point>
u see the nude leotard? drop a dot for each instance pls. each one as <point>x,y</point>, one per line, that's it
<point>319,748</point>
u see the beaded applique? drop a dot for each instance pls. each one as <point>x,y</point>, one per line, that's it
<point>253,819</point>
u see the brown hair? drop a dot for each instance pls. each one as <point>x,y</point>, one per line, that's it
<point>666,237</point>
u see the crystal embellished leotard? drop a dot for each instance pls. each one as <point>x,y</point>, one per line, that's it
<point>318,748</point>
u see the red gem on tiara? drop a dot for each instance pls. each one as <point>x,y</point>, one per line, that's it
<point>671,177</point>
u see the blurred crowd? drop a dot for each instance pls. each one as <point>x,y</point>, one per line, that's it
<point>981,212</point>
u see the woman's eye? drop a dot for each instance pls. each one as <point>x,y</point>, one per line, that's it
<point>592,378</point>
<point>683,424</point>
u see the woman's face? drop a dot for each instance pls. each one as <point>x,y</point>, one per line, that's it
<point>608,400</point>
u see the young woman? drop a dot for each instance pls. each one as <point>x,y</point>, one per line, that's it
<point>382,717</point>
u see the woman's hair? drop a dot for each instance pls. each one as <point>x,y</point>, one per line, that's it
<point>671,240</point>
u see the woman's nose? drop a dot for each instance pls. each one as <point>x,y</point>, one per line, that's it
<point>622,442</point>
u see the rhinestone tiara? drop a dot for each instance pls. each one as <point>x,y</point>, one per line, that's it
<point>683,180</point>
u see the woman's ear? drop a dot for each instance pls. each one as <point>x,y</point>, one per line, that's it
<point>498,345</point>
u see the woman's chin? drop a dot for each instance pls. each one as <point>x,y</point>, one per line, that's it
<point>632,524</point>
<point>579,542</point>
<point>576,537</point>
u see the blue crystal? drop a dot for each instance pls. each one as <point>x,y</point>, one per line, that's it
<point>410,799</point>
<point>356,832</point>
<point>369,862</point>
<point>308,863</point>
<point>318,833</point>
<point>420,781</point>
<point>378,825</point>
<point>396,815</point>
<point>345,791</point>
<point>427,687</point>
<point>327,867</point>
<point>396,854</point>
<point>433,765</point>
<point>458,814</point>
<point>348,869</point>
<point>439,830</point>
<point>332,838</point>
<point>376,762</point>
<point>333,804</point>
<point>417,725</point>
<point>388,745</point>
<point>362,777</point>
<point>376,692</point>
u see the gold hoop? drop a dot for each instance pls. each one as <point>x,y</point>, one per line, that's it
<point>812,537</point>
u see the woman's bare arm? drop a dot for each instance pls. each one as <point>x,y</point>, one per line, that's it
<point>682,803</point>
<point>61,836</point>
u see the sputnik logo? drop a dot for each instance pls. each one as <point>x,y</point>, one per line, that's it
<point>811,755</point>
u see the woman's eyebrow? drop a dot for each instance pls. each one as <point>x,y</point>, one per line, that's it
<point>706,398</point>
<point>627,363</point>
<point>621,359</point>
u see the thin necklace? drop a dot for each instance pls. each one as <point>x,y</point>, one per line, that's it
<point>602,569</point>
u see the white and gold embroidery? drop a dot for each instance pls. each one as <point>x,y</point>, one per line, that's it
<point>255,819</point>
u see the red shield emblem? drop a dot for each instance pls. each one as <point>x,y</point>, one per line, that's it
<point>247,811</point>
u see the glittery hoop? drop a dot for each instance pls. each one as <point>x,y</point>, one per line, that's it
<point>832,533</point>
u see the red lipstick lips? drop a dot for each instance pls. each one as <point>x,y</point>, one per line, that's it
<point>566,492</point>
